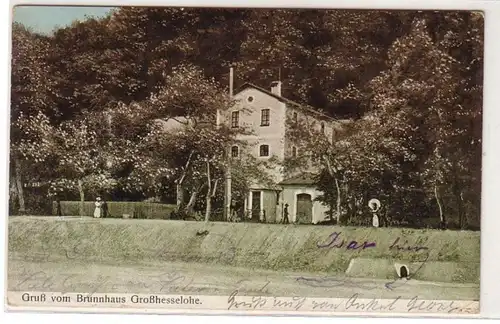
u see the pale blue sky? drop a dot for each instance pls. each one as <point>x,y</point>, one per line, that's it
<point>44,19</point>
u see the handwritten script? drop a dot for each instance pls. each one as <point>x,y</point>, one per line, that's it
<point>330,282</point>
<point>333,241</point>
<point>352,304</point>
<point>396,245</point>
<point>172,282</point>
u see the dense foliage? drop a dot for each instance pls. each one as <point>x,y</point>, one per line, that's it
<point>87,101</point>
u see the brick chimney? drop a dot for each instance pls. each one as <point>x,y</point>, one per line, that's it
<point>276,88</point>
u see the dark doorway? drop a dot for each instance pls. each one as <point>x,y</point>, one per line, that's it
<point>304,208</point>
<point>403,271</point>
<point>255,205</point>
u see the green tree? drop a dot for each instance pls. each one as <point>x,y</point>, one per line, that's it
<point>445,105</point>
<point>420,139</point>
<point>30,88</point>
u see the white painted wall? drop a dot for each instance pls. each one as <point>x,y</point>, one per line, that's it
<point>289,195</point>
<point>250,118</point>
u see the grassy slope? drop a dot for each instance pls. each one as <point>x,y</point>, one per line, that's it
<point>275,247</point>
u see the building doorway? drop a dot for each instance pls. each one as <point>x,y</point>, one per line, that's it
<point>304,209</point>
<point>256,205</point>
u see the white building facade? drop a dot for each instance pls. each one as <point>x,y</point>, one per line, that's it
<point>265,113</point>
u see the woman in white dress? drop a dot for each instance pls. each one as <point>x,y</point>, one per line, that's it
<point>98,208</point>
<point>374,205</point>
<point>375,220</point>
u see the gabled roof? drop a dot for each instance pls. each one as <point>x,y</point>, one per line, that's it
<point>301,179</point>
<point>287,101</point>
<point>172,124</point>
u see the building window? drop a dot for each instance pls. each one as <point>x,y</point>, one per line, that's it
<point>249,98</point>
<point>295,117</point>
<point>235,151</point>
<point>264,117</point>
<point>235,119</point>
<point>264,150</point>
<point>323,128</point>
<point>294,151</point>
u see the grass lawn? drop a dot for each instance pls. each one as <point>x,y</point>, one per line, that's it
<point>267,247</point>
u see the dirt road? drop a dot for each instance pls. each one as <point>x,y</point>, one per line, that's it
<point>201,279</point>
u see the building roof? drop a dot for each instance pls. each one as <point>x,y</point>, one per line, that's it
<point>287,101</point>
<point>172,124</point>
<point>302,179</point>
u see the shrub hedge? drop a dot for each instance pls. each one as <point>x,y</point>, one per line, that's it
<point>116,209</point>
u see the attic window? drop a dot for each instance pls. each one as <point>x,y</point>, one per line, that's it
<point>295,117</point>
<point>250,98</point>
<point>323,128</point>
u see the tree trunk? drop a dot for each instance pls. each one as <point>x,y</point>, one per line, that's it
<point>349,204</point>
<point>180,182</point>
<point>189,209</point>
<point>82,197</point>
<point>460,210</point>
<point>351,213</point>
<point>208,198</point>
<point>441,214</point>
<point>227,192</point>
<point>339,201</point>
<point>19,186</point>
<point>458,196</point>
<point>179,195</point>
<point>13,196</point>
<point>438,171</point>
<point>208,209</point>
<point>333,173</point>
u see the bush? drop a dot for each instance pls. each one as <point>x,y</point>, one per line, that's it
<point>183,215</point>
<point>116,209</point>
<point>35,201</point>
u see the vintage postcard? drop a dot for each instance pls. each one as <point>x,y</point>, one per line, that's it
<point>245,161</point>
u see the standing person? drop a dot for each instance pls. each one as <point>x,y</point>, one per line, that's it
<point>375,222</point>
<point>98,208</point>
<point>285,215</point>
<point>104,208</point>
<point>58,207</point>
<point>374,205</point>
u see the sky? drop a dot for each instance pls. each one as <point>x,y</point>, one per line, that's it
<point>44,19</point>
